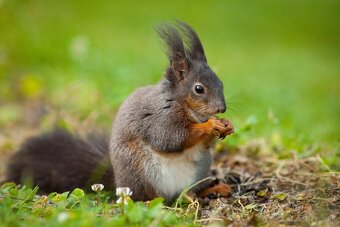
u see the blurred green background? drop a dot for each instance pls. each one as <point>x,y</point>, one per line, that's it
<point>279,61</point>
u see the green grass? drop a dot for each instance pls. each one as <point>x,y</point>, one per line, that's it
<point>79,209</point>
<point>279,61</point>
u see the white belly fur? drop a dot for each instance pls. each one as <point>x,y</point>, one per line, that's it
<point>177,172</point>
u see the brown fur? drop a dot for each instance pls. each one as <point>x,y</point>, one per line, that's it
<point>206,132</point>
<point>196,104</point>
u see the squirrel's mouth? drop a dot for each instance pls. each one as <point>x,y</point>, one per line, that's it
<point>197,117</point>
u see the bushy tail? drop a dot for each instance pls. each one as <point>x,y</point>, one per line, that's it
<point>59,161</point>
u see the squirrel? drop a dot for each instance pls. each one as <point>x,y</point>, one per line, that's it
<point>161,137</point>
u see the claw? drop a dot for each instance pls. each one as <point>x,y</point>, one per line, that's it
<point>222,137</point>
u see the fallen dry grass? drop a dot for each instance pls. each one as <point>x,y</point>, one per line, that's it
<point>270,191</point>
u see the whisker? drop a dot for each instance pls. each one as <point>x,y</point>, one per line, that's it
<point>241,95</point>
<point>232,109</point>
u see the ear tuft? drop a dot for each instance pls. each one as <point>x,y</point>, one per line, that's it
<point>175,51</point>
<point>194,48</point>
<point>180,55</point>
<point>172,41</point>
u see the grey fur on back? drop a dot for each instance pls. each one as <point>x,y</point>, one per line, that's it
<point>150,113</point>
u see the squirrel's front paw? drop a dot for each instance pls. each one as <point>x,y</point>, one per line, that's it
<point>220,127</point>
<point>229,129</point>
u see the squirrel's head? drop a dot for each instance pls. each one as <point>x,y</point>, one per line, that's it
<point>192,81</point>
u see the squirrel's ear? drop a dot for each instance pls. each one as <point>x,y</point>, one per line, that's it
<point>179,65</point>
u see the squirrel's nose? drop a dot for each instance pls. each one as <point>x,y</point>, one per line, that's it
<point>222,107</point>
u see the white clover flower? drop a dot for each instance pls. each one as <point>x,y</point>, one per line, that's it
<point>97,187</point>
<point>123,191</point>
<point>124,194</point>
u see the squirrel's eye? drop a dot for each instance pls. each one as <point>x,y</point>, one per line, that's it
<point>199,89</point>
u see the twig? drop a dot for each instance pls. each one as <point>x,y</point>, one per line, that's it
<point>186,190</point>
<point>293,181</point>
<point>324,164</point>
<point>278,169</point>
<point>210,219</point>
<point>253,182</point>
